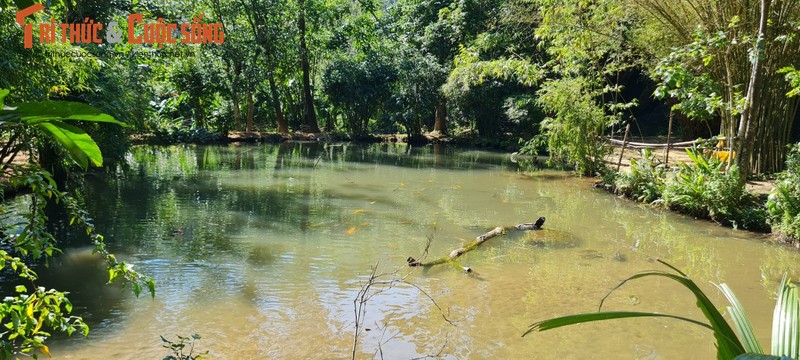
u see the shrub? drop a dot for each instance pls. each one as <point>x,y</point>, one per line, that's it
<point>184,135</point>
<point>644,182</point>
<point>783,204</point>
<point>703,189</point>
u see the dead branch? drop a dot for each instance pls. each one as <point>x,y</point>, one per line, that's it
<point>450,258</point>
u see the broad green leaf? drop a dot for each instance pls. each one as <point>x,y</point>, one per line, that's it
<point>741,321</point>
<point>3,94</point>
<point>79,145</point>
<point>151,286</point>
<point>35,112</point>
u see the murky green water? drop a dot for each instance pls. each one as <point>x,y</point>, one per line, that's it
<point>262,250</point>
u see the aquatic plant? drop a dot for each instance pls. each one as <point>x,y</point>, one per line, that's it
<point>785,329</point>
<point>179,348</point>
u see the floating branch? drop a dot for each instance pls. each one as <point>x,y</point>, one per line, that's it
<point>450,258</point>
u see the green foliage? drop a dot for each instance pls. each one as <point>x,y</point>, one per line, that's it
<point>175,135</point>
<point>699,96</point>
<point>27,316</point>
<point>178,348</point>
<point>704,189</point>
<point>576,127</point>
<point>793,77</point>
<point>414,95</point>
<point>587,53</point>
<point>786,319</point>
<point>644,182</point>
<point>783,204</point>
<point>49,118</point>
<point>360,88</point>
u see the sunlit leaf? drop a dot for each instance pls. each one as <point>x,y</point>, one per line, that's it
<point>79,145</point>
<point>39,111</point>
<point>785,322</point>
<point>45,350</point>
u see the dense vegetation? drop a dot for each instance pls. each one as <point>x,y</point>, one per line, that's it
<point>555,75</point>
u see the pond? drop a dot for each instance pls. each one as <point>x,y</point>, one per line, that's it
<point>262,250</point>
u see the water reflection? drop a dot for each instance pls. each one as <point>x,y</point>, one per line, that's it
<point>261,248</point>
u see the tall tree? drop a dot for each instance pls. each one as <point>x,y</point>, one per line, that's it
<point>308,99</point>
<point>267,19</point>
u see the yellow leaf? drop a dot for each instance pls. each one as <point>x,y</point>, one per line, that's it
<point>430,181</point>
<point>351,230</point>
<point>29,310</point>
<point>359,211</point>
<point>38,324</point>
<point>45,350</point>
<point>402,184</point>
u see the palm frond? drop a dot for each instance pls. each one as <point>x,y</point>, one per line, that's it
<point>786,321</point>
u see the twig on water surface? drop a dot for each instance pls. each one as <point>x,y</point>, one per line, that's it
<point>377,284</point>
<point>437,355</point>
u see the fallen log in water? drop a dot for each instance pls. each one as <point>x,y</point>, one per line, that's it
<point>450,258</point>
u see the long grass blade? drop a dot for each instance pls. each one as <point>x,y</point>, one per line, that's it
<point>786,321</point>
<point>728,345</point>
<point>741,321</point>
<point>599,316</point>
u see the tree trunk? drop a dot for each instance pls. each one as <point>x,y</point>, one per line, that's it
<point>283,128</point>
<point>440,117</point>
<point>752,100</point>
<point>237,112</point>
<point>199,114</point>
<point>308,100</point>
<point>250,107</point>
